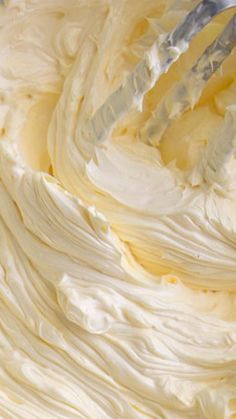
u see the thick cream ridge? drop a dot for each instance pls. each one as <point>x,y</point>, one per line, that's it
<point>117,264</point>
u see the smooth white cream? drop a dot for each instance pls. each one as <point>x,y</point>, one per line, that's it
<point>117,259</point>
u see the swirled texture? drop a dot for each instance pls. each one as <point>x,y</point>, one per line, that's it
<point>117,258</point>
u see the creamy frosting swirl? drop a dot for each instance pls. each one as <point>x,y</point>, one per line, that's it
<point>117,258</point>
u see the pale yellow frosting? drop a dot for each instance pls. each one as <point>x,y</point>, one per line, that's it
<point>117,258</point>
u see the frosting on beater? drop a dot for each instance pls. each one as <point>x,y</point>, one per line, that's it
<point>117,258</point>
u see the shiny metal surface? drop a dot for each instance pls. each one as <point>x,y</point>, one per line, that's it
<point>215,54</point>
<point>193,23</point>
<point>174,44</point>
<point>197,78</point>
<point>197,19</point>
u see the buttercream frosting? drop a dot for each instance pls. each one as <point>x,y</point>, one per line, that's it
<point>117,257</point>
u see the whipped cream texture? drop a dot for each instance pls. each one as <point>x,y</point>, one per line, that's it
<point>117,257</point>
